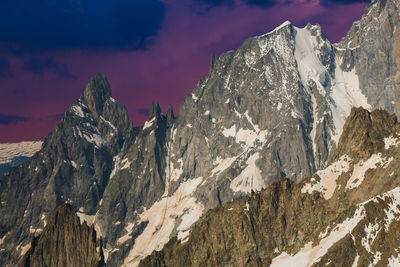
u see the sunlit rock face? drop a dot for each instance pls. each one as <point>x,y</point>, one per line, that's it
<point>347,214</point>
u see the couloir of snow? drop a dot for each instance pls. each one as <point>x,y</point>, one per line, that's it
<point>163,217</point>
<point>344,92</point>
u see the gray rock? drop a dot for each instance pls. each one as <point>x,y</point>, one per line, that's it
<point>273,108</point>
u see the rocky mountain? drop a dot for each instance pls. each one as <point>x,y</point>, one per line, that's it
<point>73,166</point>
<point>273,108</point>
<point>14,154</point>
<point>64,242</point>
<point>347,214</point>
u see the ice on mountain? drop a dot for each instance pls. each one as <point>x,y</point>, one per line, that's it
<point>250,178</point>
<point>328,177</point>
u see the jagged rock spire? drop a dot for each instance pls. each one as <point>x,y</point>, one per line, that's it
<point>154,110</point>
<point>55,246</point>
<point>363,132</point>
<point>170,116</point>
<point>96,93</point>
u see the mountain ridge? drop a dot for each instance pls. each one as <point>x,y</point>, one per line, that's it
<point>302,224</point>
<point>273,108</point>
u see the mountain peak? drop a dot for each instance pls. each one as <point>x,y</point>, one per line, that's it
<point>170,116</point>
<point>364,132</point>
<point>283,25</point>
<point>154,110</point>
<point>96,93</point>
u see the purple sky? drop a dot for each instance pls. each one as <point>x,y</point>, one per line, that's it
<point>39,80</point>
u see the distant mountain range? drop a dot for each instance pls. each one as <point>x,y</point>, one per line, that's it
<point>266,117</point>
<point>14,154</point>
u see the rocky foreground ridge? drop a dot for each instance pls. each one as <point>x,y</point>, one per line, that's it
<point>273,108</point>
<point>347,214</point>
<point>65,242</point>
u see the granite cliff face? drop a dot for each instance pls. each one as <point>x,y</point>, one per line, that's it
<point>344,215</point>
<point>65,242</point>
<point>273,108</point>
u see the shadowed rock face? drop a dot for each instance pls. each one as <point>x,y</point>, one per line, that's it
<point>301,224</point>
<point>73,166</point>
<point>65,242</point>
<point>273,108</point>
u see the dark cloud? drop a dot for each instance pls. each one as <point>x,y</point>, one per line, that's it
<point>5,68</point>
<point>213,3</point>
<point>143,111</point>
<point>55,117</point>
<point>12,119</point>
<point>260,3</point>
<point>74,24</point>
<point>333,2</point>
<point>39,65</point>
<point>203,7</point>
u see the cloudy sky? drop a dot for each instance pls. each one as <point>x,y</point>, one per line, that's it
<point>148,49</point>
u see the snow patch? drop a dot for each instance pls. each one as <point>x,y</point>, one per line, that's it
<point>377,258</point>
<point>2,239</point>
<point>394,261</point>
<point>162,218</point>
<point>125,164</point>
<point>371,231</point>
<point>25,248</point>
<point>89,219</point>
<point>250,178</point>
<point>327,183</point>
<point>148,124</point>
<point>194,97</point>
<point>73,163</point>
<point>362,167</point>
<point>176,172</point>
<point>346,93</point>
<point>109,123</point>
<point>222,165</point>
<point>391,141</point>
<point>393,211</point>
<point>77,110</point>
<point>35,230</point>
<point>245,137</point>
<point>95,138</point>
<point>355,261</point>
<point>116,161</point>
